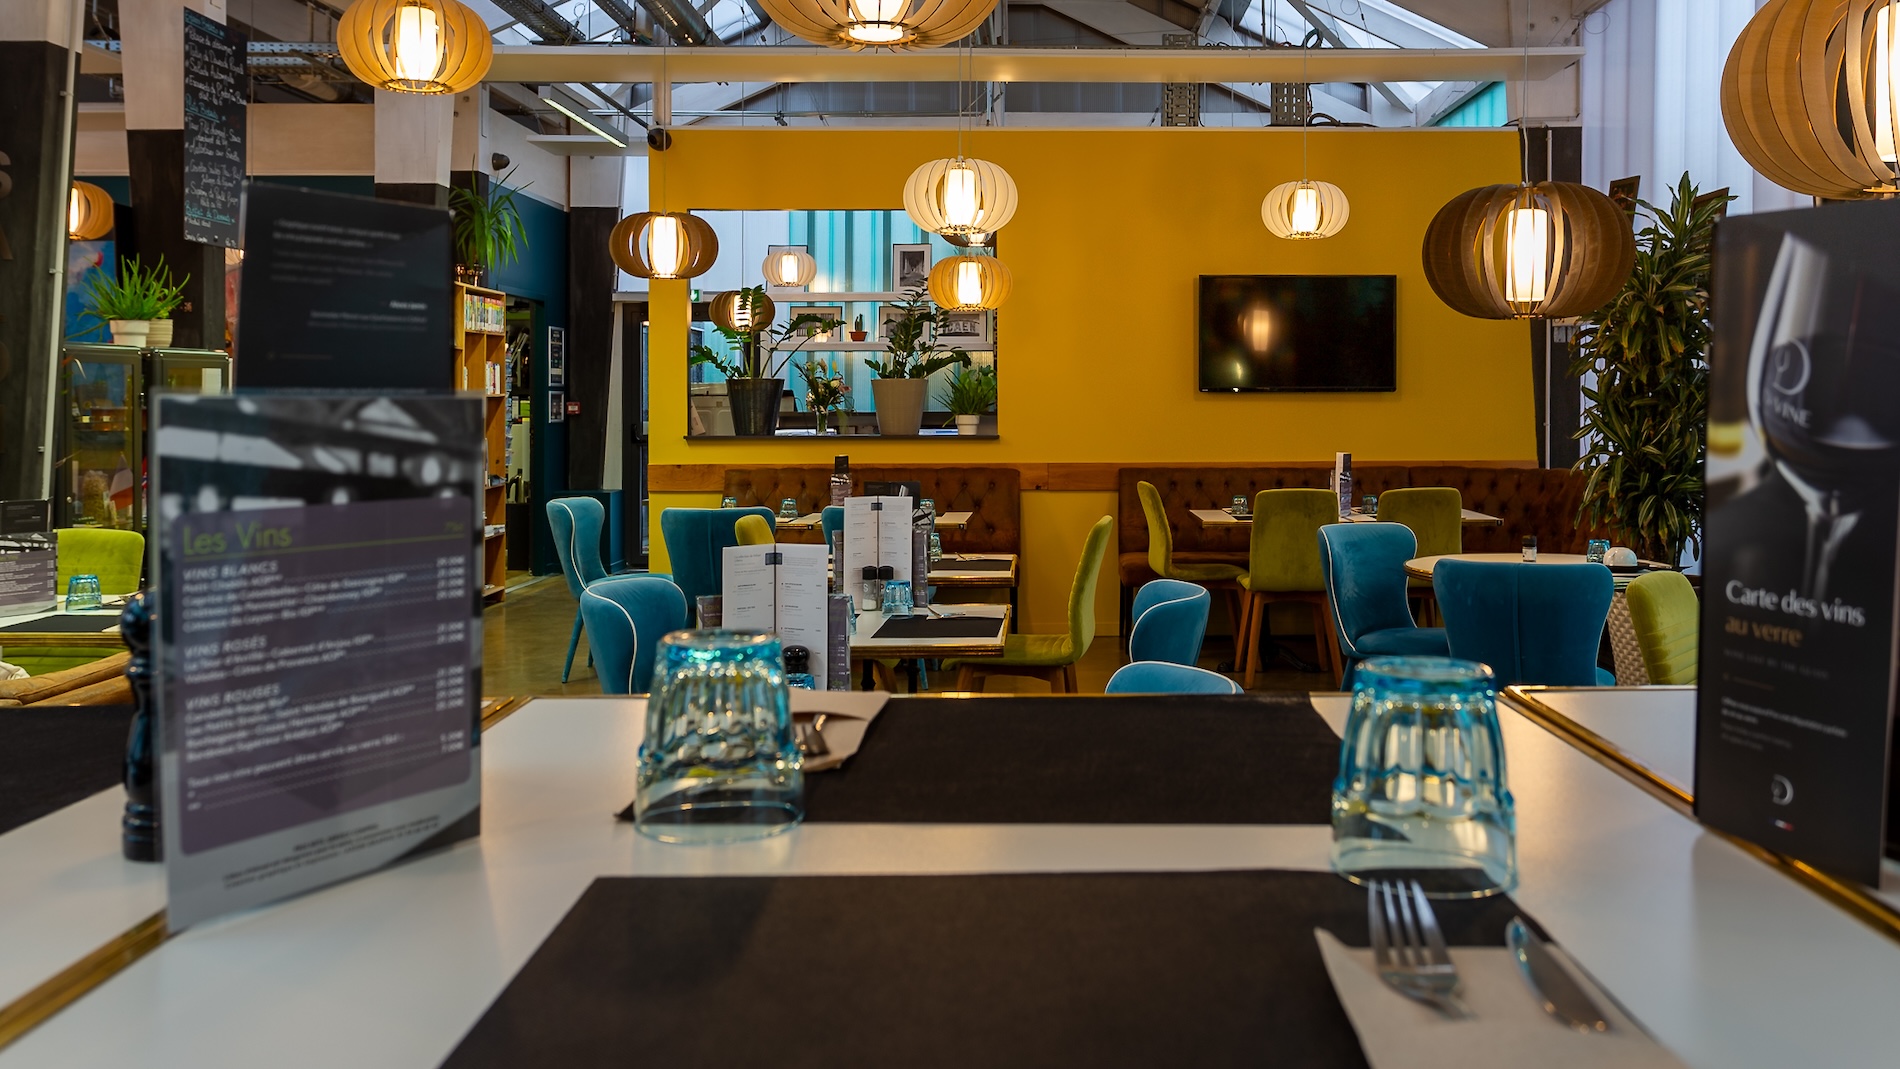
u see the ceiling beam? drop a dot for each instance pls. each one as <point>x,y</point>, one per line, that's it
<point>618,63</point>
<point>1329,29</point>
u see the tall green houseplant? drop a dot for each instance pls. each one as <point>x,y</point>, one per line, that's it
<point>1646,417</point>
<point>488,229</point>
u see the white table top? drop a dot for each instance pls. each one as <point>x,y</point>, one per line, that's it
<point>1728,962</point>
<point>1422,567</point>
<point>811,521</point>
<point>1224,518</point>
<point>954,569</point>
<point>863,644</point>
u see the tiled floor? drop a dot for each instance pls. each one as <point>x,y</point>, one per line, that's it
<point>525,641</point>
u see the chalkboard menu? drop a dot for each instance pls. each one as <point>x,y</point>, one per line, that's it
<point>216,92</point>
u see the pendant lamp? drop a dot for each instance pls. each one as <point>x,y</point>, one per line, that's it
<point>789,268</point>
<point>960,197</point>
<point>88,212</point>
<point>742,313</point>
<point>898,25</point>
<point>969,283</point>
<point>1305,210</point>
<point>663,245</point>
<point>1809,95</point>
<point>1544,251</point>
<point>415,46</point>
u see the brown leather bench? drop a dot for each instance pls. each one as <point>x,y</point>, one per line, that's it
<point>992,496</point>
<point>1533,501</point>
<point>102,682</point>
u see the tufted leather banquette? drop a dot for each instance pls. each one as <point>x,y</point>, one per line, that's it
<point>992,497</point>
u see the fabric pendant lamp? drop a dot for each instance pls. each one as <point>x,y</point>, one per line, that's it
<point>1546,251</point>
<point>741,313</point>
<point>663,245</point>
<point>960,197</point>
<point>1305,210</point>
<point>969,283</point>
<point>898,25</point>
<point>789,269</point>
<point>1809,94</point>
<point>88,212</point>
<point>415,46</point>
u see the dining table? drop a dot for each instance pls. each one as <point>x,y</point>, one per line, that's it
<point>935,631</point>
<point>812,521</point>
<point>992,880</point>
<point>64,628</point>
<point>1228,518</point>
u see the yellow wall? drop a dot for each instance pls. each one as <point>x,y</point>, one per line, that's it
<point>1096,347</point>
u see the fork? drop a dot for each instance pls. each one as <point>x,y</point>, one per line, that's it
<point>1408,948</point>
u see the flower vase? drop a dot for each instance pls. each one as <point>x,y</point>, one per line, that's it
<point>821,419</point>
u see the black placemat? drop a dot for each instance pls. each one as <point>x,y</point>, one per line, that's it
<point>63,624</point>
<point>53,756</point>
<point>928,627</point>
<point>1100,969</point>
<point>1147,759</point>
<point>988,564</point>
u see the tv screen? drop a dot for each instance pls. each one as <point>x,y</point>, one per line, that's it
<point>1298,332</point>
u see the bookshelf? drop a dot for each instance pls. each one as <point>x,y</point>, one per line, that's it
<point>481,364</point>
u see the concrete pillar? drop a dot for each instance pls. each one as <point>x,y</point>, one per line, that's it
<point>414,135</point>
<point>153,49</point>
<point>594,184</point>
<point>37,64</point>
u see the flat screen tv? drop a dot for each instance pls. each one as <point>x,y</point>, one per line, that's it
<point>1298,332</point>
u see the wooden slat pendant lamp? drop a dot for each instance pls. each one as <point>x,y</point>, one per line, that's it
<point>88,212</point>
<point>415,46</point>
<point>1809,95</point>
<point>1544,251</point>
<point>969,283</point>
<point>663,245</point>
<point>899,25</point>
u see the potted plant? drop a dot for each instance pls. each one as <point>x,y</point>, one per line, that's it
<point>914,356</point>
<point>857,328</point>
<point>752,368</point>
<point>968,394</point>
<point>488,230</point>
<point>825,392</point>
<point>1645,418</point>
<point>129,302</point>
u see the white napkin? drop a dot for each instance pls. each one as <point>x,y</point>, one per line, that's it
<point>1507,1028</point>
<point>848,715</point>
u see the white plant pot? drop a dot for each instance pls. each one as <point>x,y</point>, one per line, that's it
<point>130,331</point>
<point>968,424</point>
<point>160,336</point>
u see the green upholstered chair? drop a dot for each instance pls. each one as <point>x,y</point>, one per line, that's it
<point>1222,577</point>
<point>1283,559</point>
<point>1667,619</point>
<point>1435,515</point>
<point>1049,657</point>
<point>753,531</point>
<point>116,557</point>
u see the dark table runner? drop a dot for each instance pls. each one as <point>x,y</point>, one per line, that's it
<point>64,624</point>
<point>53,756</point>
<point>922,626</point>
<point>1151,759</point>
<point>1110,969</point>
<point>985,565</point>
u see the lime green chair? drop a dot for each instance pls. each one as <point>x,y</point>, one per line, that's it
<point>116,557</point>
<point>1435,515</point>
<point>1667,619</point>
<point>1283,565</point>
<point>753,531</point>
<point>1049,657</point>
<point>1222,577</point>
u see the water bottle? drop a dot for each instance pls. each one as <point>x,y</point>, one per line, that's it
<point>840,480</point>
<point>923,524</point>
<point>936,546</point>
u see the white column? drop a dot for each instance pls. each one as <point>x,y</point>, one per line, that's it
<point>414,137</point>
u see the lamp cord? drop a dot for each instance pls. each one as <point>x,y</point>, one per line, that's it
<point>1524,99</point>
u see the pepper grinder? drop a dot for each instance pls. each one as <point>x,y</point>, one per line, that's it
<point>139,827</point>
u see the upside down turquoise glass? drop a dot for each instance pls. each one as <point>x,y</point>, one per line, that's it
<point>82,592</point>
<point>1421,792</point>
<point>719,763</point>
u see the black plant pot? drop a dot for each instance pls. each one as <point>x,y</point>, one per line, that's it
<point>755,406</point>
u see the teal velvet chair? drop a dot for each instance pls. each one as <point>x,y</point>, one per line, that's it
<point>1532,623</point>
<point>1164,677</point>
<point>576,523</point>
<point>1667,620</point>
<point>1283,565</point>
<point>626,617</point>
<point>695,542</point>
<point>116,557</point>
<point>1049,657</point>
<point>1364,566</point>
<point>1170,621</point>
<point>831,521</point>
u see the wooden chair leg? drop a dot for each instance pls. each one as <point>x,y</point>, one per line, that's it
<point>1069,685</point>
<point>967,679</point>
<point>1328,641</point>
<point>1253,613</point>
<point>886,676</point>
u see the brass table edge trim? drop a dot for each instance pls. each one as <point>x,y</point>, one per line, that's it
<point>72,983</point>
<point>495,710</point>
<point>1850,897</point>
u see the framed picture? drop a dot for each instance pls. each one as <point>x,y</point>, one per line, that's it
<point>557,356</point>
<point>557,406</point>
<point>1719,196</point>
<point>1624,192</point>
<point>886,315</point>
<point>910,266</point>
<point>964,329</point>
<point>828,311</point>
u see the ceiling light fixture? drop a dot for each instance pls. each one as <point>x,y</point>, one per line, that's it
<point>580,115</point>
<point>969,283</point>
<point>898,25</point>
<point>960,197</point>
<point>789,268</point>
<point>742,311</point>
<point>664,245</point>
<point>88,212</point>
<point>1304,210</point>
<point>415,46</point>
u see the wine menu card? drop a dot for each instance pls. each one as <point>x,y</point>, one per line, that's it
<point>779,588</point>
<point>877,532</point>
<point>1796,676</point>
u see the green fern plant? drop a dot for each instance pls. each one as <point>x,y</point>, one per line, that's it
<point>969,391</point>
<point>488,228</point>
<point>1645,419</point>
<point>134,293</point>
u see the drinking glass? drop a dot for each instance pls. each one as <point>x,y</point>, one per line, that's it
<point>1240,505</point>
<point>927,505</point>
<point>788,509</point>
<point>719,763</point>
<point>712,610</point>
<point>1595,551</point>
<point>728,502</point>
<point>82,592</point>
<point>1369,505</point>
<point>897,602</point>
<point>1421,792</point>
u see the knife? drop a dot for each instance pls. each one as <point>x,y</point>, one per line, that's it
<point>1555,989</point>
